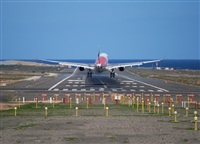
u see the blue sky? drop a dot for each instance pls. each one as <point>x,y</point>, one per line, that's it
<point>75,29</point>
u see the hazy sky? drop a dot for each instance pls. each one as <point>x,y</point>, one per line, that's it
<point>75,29</point>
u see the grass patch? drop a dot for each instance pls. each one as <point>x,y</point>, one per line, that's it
<point>126,140</point>
<point>192,129</point>
<point>172,121</point>
<point>160,120</point>
<point>70,139</point>
<point>61,109</point>
<point>2,128</point>
<point>187,121</point>
<point>94,115</point>
<point>69,122</point>
<point>112,138</point>
<point>18,141</point>
<point>22,127</point>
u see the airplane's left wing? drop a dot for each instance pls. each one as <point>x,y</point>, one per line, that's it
<point>123,65</point>
<point>83,65</point>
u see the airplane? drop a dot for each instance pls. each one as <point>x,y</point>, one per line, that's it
<point>101,64</point>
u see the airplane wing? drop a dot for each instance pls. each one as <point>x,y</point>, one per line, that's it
<point>114,66</point>
<point>87,66</point>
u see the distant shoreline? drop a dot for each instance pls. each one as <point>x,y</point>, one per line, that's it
<point>170,64</point>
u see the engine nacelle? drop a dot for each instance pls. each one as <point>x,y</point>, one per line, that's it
<point>81,68</point>
<point>121,68</point>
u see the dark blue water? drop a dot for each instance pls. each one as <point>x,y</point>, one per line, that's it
<point>176,64</point>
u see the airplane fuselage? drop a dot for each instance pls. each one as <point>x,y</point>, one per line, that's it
<point>101,63</point>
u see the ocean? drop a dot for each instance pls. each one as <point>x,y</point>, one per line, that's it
<point>175,64</point>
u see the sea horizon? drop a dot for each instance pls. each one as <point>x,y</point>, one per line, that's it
<point>188,64</point>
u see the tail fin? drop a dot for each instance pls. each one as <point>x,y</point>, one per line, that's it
<point>98,56</point>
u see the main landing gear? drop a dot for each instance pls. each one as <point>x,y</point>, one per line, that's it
<point>112,74</point>
<point>89,74</point>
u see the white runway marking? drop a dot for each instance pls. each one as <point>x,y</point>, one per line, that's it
<point>92,89</point>
<point>127,81</point>
<point>75,80</point>
<point>160,89</point>
<point>62,80</point>
<point>101,89</point>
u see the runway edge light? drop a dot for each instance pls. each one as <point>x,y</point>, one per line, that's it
<point>15,111</point>
<point>46,111</point>
<point>195,123</point>
<point>76,111</point>
<point>175,116</point>
<point>107,111</point>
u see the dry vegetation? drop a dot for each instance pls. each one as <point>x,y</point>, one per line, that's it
<point>191,77</point>
<point>14,73</point>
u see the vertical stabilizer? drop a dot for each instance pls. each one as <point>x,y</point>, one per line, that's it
<point>98,56</point>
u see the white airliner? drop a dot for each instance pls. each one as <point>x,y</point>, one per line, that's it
<point>101,64</point>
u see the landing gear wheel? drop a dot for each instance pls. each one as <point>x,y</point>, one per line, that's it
<point>89,74</point>
<point>112,74</point>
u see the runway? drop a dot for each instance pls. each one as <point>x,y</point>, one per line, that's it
<point>73,81</point>
<point>78,82</point>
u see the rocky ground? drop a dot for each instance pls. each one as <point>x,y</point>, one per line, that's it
<point>123,125</point>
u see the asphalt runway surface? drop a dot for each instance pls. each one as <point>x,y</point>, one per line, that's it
<point>73,81</point>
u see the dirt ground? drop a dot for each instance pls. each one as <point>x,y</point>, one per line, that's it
<point>123,125</point>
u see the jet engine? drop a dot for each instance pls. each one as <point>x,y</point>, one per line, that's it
<point>121,68</point>
<point>81,68</point>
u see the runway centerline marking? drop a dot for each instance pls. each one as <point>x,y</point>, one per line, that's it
<point>62,80</point>
<point>144,83</point>
<point>102,83</point>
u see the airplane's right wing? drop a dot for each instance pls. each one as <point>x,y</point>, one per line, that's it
<point>123,65</point>
<point>83,65</point>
